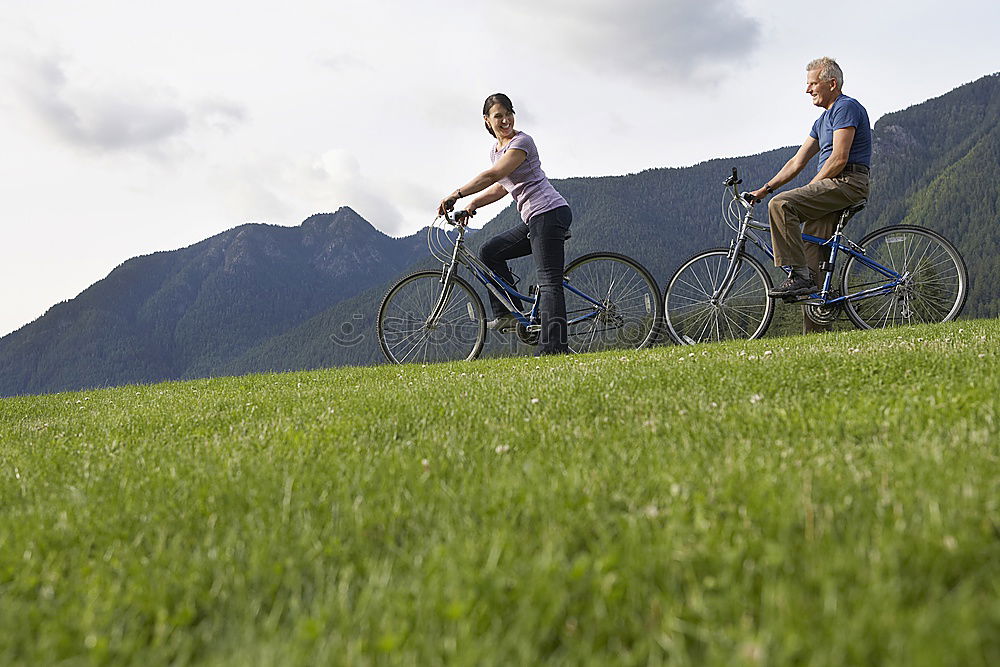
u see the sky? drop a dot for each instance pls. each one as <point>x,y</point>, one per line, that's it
<point>130,127</point>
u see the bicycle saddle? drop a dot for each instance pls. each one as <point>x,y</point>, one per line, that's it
<point>851,210</point>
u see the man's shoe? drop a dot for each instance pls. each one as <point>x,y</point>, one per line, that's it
<point>503,324</point>
<point>794,286</point>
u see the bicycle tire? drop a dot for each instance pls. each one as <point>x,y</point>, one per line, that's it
<point>935,291</point>
<point>631,311</point>
<point>691,316</point>
<point>402,328</point>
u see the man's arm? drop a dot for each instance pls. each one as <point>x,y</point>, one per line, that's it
<point>842,140</point>
<point>791,169</point>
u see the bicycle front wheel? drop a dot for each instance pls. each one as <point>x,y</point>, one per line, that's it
<point>406,333</point>
<point>933,286</point>
<point>612,301</point>
<point>699,309</point>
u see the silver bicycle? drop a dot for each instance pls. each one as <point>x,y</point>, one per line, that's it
<point>612,301</point>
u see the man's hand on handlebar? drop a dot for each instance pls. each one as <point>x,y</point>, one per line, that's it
<point>758,195</point>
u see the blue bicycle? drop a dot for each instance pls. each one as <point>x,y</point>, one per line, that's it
<point>896,275</point>
<point>612,301</point>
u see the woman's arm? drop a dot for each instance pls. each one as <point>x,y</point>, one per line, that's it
<point>493,194</point>
<point>502,168</point>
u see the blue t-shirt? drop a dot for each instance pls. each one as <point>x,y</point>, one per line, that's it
<point>845,112</point>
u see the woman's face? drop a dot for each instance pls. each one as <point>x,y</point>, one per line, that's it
<point>501,120</point>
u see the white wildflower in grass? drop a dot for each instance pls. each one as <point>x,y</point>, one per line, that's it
<point>534,401</point>
<point>426,464</point>
<point>502,449</point>
<point>756,398</point>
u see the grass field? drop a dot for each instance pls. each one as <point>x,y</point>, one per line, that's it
<point>826,500</point>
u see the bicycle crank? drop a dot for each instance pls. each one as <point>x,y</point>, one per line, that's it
<point>823,313</point>
<point>528,334</point>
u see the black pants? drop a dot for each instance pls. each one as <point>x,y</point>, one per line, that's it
<point>543,238</point>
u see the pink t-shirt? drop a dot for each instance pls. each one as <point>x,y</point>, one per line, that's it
<point>531,190</point>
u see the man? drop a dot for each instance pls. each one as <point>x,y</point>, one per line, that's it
<point>843,139</point>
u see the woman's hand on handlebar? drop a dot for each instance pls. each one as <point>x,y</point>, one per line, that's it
<point>448,203</point>
<point>463,217</point>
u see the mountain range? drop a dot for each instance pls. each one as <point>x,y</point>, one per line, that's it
<point>263,297</point>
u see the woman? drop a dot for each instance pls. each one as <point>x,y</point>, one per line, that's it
<point>517,170</point>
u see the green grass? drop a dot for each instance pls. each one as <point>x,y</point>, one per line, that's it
<point>825,500</point>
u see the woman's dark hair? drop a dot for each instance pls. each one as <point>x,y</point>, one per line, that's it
<point>496,98</point>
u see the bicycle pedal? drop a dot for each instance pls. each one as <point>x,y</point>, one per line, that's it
<point>803,300</point>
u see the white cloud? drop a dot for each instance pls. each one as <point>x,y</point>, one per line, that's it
<point>285,190</point>
<point>336,176</point>
<point>112,116</point>
<point>668,40</point>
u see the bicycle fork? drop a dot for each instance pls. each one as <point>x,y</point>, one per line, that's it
<point>735,250</point>
<point>447,273</point>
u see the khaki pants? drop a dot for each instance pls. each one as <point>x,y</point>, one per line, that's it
<point>813,209</point>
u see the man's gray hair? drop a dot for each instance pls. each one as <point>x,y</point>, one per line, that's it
<point>828,69</point>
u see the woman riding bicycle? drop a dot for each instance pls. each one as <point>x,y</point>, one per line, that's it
<point>517,170</point>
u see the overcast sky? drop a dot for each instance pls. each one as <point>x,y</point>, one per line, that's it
<point>130,127</point>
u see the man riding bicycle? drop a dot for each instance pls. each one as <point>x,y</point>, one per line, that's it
<point>842,137</point>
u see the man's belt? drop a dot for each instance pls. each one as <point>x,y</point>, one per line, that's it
<point>855,167</point>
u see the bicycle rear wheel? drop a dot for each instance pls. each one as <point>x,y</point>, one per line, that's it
<point>935,281</point>
<point>621,309</point>
<point>695,310</point>
<point>405,334</point>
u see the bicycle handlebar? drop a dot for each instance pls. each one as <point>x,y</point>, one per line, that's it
<point>733,180</point>
<point>745,198</point>
<point>458,218</point>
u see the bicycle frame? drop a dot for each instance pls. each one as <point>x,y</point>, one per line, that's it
<point>498,287</point>
<point>835,243</point>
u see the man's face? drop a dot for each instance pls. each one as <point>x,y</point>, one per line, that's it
<point>822,91</point>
